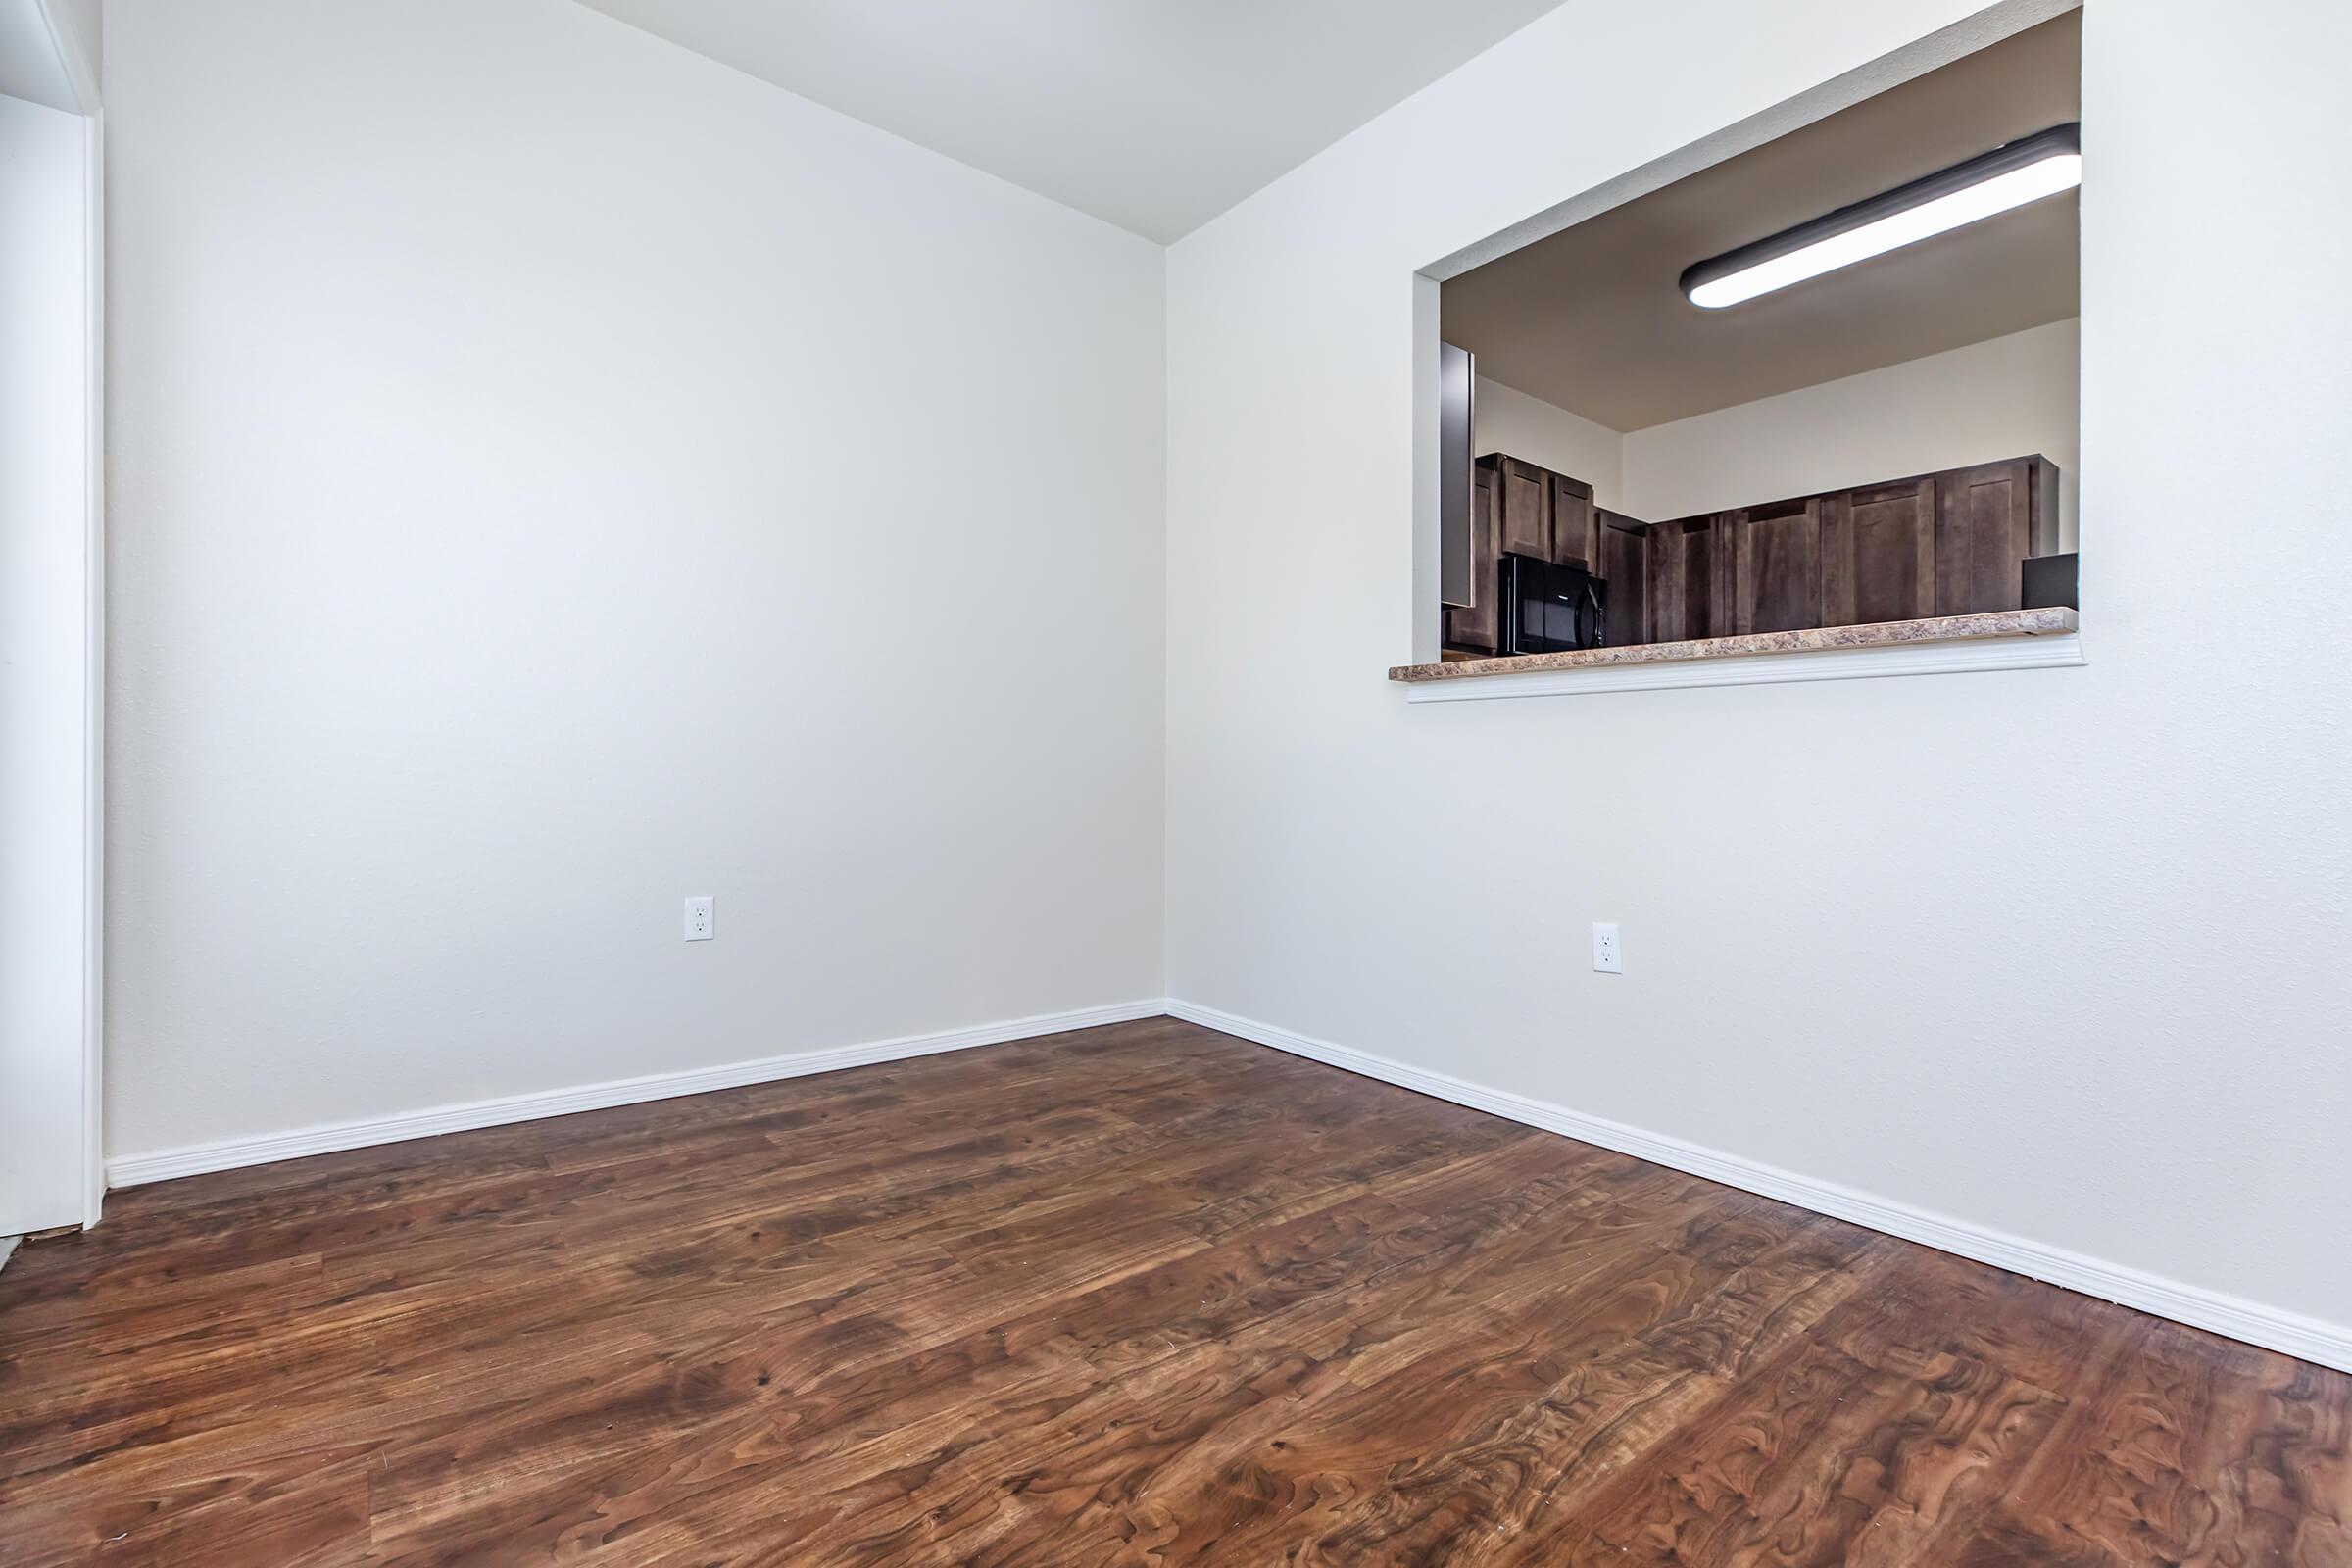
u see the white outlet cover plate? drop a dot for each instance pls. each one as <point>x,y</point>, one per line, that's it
<point>1608,948</point>
<point>701,918</point>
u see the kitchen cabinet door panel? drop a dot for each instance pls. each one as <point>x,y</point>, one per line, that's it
<point>1879,554</point>
<point>1989,519</point>
<point>1776,579</point>
<point>1686,567</point>
<point>1523,494</point>
<point>1575,523</point>
<point>1478,624</point>
<point>1622,561</point>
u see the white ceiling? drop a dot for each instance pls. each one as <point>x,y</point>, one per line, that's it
<point>1593,319</point>
<point>1157,115</point>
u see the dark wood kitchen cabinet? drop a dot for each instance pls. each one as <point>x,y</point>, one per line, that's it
<point>1878,553</point>
<point>1621,559</point>
<point>1517,508</point>
<point>1689,588</point>
<point>1575,532</point>
<point>1776,566</point>
<point>1523,494</point>
<point>1987,520</point>
<point>1953,543</point>
<point>1478,625</point>
<point>1541,514</point>
<point>1940,544</point>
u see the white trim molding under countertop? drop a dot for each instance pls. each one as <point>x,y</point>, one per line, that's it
<point>1944,644</point>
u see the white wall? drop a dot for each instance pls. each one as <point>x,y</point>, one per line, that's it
<point>1508,420</point>
<point>44,633</point>
<point>1945,939</point>
<point>553,475</point>
<point>2003,398</point>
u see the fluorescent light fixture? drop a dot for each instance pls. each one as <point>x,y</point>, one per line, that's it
<point>2008,176</point>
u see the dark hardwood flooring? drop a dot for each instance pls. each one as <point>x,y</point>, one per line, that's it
<point>1144,1294</point>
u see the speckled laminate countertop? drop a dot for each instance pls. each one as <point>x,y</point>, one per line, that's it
<point>1936,629</point>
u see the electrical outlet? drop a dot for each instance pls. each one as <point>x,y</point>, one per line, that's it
<point>1608,951</point>
<point>701,918</point>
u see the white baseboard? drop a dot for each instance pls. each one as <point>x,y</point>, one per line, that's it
<point>196,1160</point>
<point>2312,1340</point>
<point>8,1246</point>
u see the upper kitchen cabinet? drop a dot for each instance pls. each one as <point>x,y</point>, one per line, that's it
<point>1776,566</point>
<point>1523,494</point>
<point>1522,509</point>
<point>1941,544</point>
<point>1478,624</point>
<point>1575,536</point>
<point>1987,520</point>
<point>1878,553</point>
<point>1688,572</point>
<point>1620,559</point>
<point>1541,513</point>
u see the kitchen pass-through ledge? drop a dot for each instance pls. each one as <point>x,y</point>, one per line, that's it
<point>2001,639</point>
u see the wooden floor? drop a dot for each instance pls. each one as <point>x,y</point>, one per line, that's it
<point>1140,1296</point>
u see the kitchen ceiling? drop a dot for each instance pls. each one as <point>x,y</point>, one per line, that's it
<point>1593,319</point>
<point>1156,114</point>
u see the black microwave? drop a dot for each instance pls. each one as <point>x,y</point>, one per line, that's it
<point>1551,608</point>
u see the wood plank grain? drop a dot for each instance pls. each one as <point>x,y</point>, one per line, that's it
<point>1143,1294</point>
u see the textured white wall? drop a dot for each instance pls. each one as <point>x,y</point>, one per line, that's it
<point>2057,952</point>
<point>555,474</point>
<point>44,634</point>
<point>2002,398</point>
